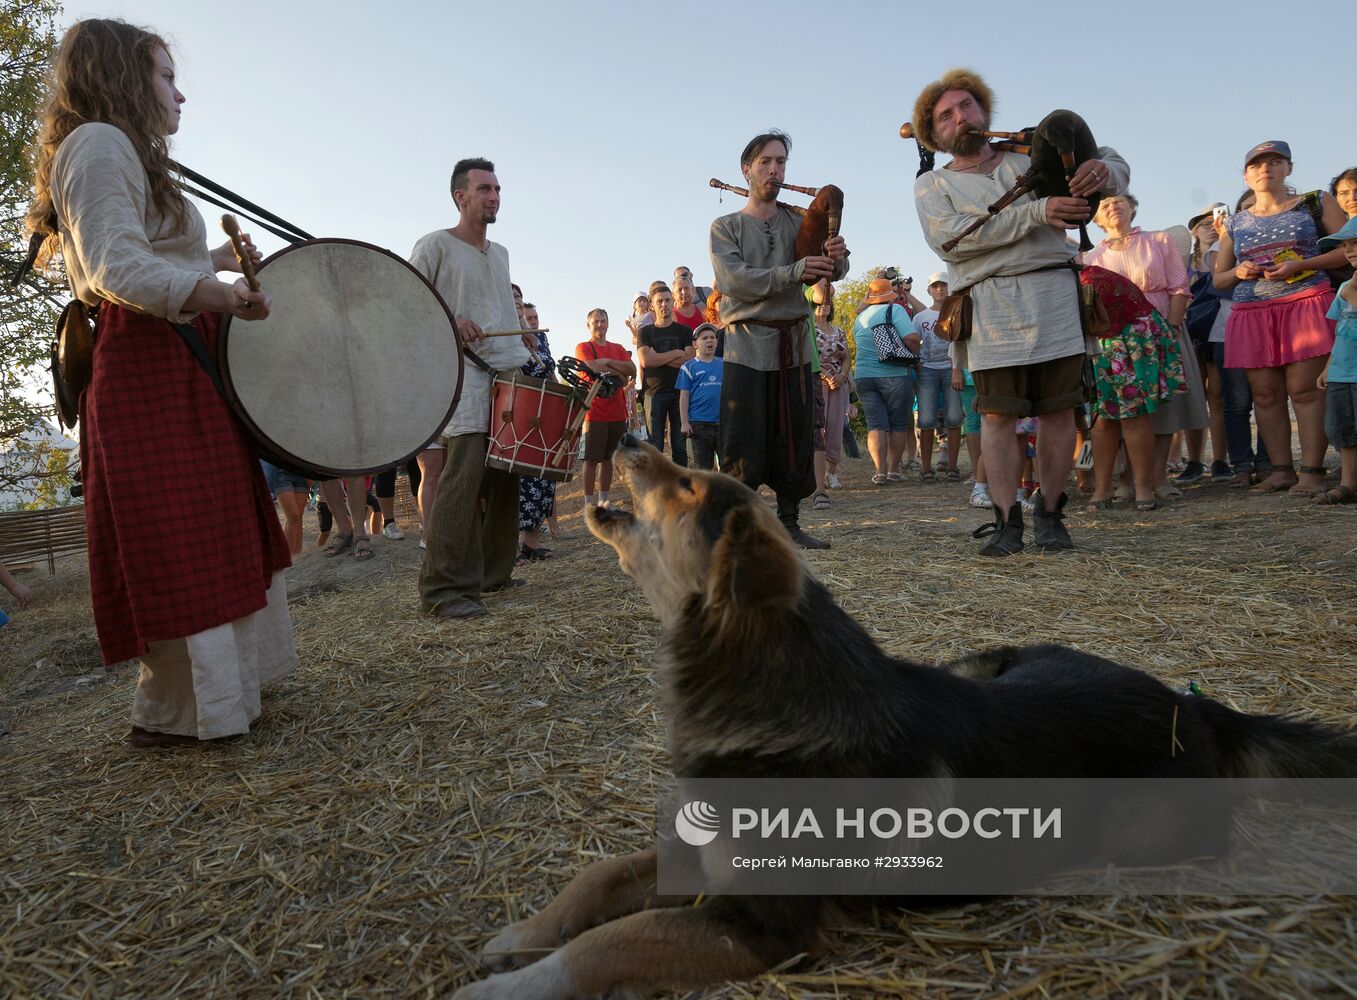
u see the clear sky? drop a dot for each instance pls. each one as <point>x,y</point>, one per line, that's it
<point>605,120</point>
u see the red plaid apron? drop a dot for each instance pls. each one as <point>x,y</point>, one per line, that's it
<point>183,535</point>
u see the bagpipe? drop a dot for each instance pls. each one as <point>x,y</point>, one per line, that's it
<point>1058,145</point>
<point>819,221</point>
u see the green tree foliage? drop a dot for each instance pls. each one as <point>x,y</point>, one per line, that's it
<point>28,313</point>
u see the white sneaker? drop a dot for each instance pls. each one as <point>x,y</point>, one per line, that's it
<point>834,482</point>
<point>1029,504</point>
<point>981,499</point>
<point>392,532</point>
<point>422,545</point>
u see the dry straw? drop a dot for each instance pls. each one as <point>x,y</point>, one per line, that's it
<point>414,785</point>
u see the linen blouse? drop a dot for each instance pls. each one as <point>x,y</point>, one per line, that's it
<point>114,243</point>
<point>476,286</point>
<point>1151,260</point>
<point>1020,318</point>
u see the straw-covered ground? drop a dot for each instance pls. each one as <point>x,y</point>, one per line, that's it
<point>414,784</point>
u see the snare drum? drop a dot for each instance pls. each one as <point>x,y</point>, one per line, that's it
<point>534,427</point>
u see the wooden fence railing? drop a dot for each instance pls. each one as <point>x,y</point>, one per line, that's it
<point>28,536</point>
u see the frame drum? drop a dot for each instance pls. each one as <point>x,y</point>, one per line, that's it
<point>358,366</point>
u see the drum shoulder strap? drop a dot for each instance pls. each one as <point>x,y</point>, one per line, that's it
<point>478,361</point>
<point>198,349</point>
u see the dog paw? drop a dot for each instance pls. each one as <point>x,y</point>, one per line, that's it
<point>543,981</point>
<point>517,945</point>
<point>487,989</point>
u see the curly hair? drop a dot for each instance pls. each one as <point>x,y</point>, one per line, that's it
<point>712,314</point>
<point>103,72</point>
<point>954,79</point>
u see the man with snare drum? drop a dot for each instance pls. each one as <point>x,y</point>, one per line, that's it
<point>473,524</point>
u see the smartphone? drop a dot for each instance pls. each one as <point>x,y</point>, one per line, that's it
<point>1219,212</point>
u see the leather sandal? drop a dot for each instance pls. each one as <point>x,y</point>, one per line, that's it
<point>1340,494</point>
<point>1300,490</point>
<point>1266,485</point>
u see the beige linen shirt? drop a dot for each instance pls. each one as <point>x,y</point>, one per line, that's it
<point>1019,318</point>
<point>475,285</point>
<point>754,264</point>
<point>115,245</point>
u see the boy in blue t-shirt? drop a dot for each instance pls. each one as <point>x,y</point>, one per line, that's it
<point>699,386</point>
<point>1339,377</point>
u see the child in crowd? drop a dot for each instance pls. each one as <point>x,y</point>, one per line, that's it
<point>699,386</point>
<point>1339,377</point>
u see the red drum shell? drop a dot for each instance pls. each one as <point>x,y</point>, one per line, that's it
<point>534,427</point>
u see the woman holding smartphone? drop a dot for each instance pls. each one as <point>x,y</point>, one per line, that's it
<point>1269,257</point>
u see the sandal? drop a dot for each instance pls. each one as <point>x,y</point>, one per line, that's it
<point>822,501</point>
<point>880,480</point>
<point>1147,505</point>
<point>894,477</point>
<point>533,555</point>
<point>362,548</point>
<point>338,544</point>
<point>952,475</point>
<point>1332,498</point>
<point>1301,490</point>
<point>1269,485</point>
<point>928,476</point>
<point>1096,506</point>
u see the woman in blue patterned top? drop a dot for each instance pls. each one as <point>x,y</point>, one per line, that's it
<point>1278,330</point>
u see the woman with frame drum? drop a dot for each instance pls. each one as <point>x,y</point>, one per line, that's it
<point>186,554</point>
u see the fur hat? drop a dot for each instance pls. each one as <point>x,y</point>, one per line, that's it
<point>953,79</point>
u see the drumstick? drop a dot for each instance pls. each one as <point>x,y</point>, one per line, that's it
<point>513,333</point>
<point>232,228</point>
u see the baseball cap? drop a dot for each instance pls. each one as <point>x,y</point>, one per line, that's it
<point>1276,146</point>
<point>1348,232</point>
<point>1205,213</point>
<point>937,276</point>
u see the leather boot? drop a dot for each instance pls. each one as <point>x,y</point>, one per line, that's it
<point>1005,534</point>
<point>1048,528</point>
<point>788,512</point>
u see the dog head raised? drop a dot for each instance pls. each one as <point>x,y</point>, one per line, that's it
<point>695,532</point>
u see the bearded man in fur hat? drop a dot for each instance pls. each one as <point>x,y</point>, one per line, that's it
<point>1026,349</point>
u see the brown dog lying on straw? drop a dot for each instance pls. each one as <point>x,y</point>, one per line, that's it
<point>765,675</point>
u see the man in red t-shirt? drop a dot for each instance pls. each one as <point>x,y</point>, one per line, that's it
<point>607,419</point>
<point>686,308</point>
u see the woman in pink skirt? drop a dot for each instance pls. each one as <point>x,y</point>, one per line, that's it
<point>1269,255</point>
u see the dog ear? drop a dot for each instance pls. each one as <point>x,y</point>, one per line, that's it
<point>752,567</point>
